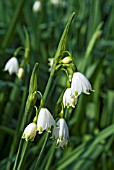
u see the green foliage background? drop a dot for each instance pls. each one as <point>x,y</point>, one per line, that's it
<point>91,42</point>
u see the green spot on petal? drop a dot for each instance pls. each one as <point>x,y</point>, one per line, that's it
<point>40,129</point>
<point>68,105</point>
<point>73,103</point>
<point>61,138</point>
<point>49,130</point>
<point>87,91</point>
<point>76,93</point>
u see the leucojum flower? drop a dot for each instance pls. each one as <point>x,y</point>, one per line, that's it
<point>30,132</point>
<point>80,84</point>
<point>61,133</point>
<point>45,121</point>
<point>37,6</point>
<point>69,100</point>
<point>12,65</point>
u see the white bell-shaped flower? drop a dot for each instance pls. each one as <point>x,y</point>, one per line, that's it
<point>69,100</point>
<point>45,120</point>
<point>12,65</point>
<point>30,132</point>
<point>37,6</point>
<point>61,133</point>
<point>80,84</point>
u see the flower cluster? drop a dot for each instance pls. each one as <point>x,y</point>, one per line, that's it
<point>46,121</point>
<point>79,84</point>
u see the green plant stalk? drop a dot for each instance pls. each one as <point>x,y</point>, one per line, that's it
<point>41,152</point>
<point>93,142</point>
<point>23,154</point>
<point>61,47</point>
<point>8,115</point>
<point>90,46</point>
<point>15,142</point>
<point>18,154</point>
<point>50,156</point>
<point>12,24</point>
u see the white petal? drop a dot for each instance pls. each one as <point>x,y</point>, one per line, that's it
<point>12,65</point>
<point>61,133</point>
<point>76,85</point>
<point>45,120</point>
<point>69,100</point>
<point>86,84</point>
<point>80,84</point>
<point>30,132</point>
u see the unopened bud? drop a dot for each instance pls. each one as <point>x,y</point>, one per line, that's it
<point>20,73</point>
<point>67,60</point>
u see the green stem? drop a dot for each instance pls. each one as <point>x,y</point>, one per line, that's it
<point>41,152</point>
<point>15,141</point>
<point>52,150</point>
<point>18,154</point>
<point>23,155</point>
<point>48,87</point>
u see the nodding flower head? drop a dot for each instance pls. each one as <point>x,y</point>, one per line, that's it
<point>45,121</point>
<point>61,133</point>
<point>30,132</point>
<point>12,65</point>
<point>69,100</point>
<point>80,84</point>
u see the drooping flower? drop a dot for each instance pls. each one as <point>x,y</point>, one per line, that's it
<point>45,121</point>
<point>69,100</point>
<point>12,65</point>
<point>30,132</point>
<point>80,84</point>
<point>61,133</point>
<point>37,6</point>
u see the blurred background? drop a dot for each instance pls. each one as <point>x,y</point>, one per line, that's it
<point>91,43</point>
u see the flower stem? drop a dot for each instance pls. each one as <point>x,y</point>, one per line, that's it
<point>18,154</point>
<point>23,154</point>
<point>41,152</point>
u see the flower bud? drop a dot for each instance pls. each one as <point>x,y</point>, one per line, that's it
<point>20,73</point>
<point>67,60</point>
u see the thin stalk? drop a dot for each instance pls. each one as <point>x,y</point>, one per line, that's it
<point>41,152</point>
<point>23,154</point>
<point>47,87</point>
<point>15,142</point>
<point>18,154</point>
<point>51,156</point>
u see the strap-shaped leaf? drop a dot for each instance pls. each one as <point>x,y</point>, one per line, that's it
<point>62,43</point>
